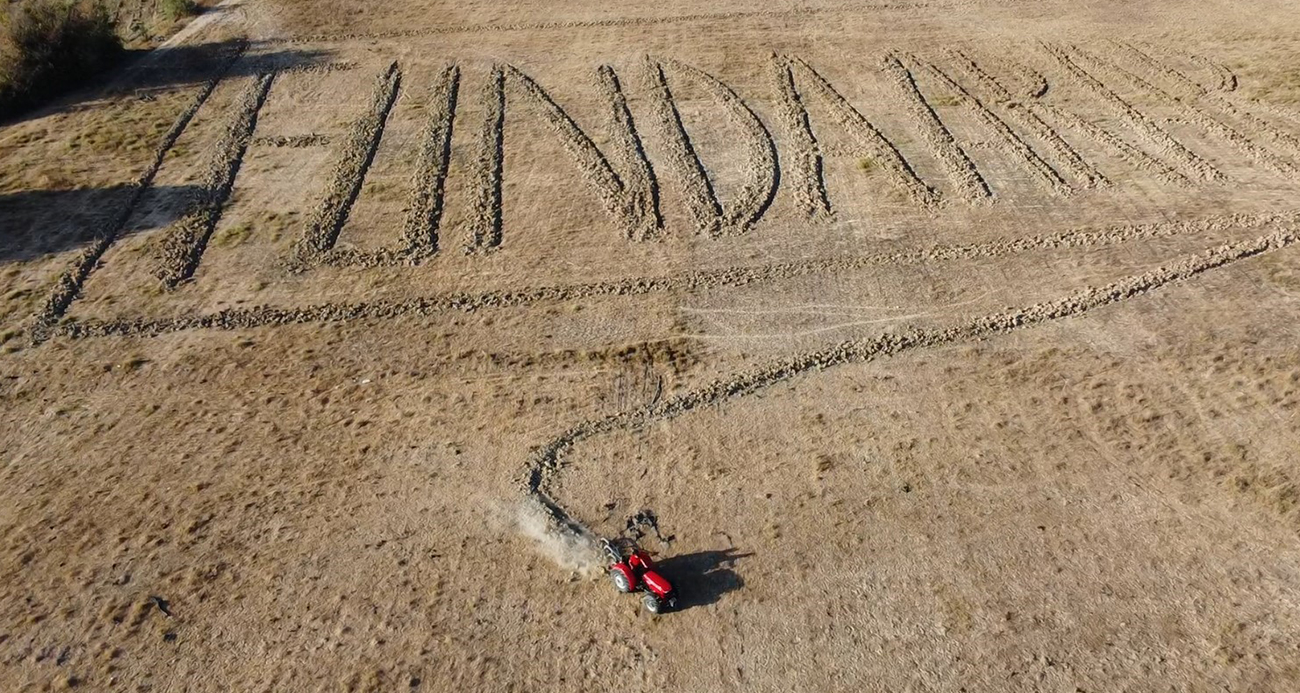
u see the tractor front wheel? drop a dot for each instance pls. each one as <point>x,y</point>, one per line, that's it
<point>652,603</point>
<point>620,581</point>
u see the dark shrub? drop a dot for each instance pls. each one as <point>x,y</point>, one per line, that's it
<point>50,46</point>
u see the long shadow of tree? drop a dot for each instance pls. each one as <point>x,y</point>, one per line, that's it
<point>36,223</point>
<point>143,72</point>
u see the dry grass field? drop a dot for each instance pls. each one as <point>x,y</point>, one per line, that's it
<point>950,343</point>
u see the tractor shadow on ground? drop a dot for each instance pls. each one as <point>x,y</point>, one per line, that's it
<point>702,578</point>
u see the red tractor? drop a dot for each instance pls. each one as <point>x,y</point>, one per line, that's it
<point>631,569</point>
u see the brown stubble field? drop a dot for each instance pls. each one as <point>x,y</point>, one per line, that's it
<point>950,343</point>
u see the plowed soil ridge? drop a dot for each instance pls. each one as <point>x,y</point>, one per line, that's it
<point>354,159</point>
<point>879,147</point>
<point>264,316</point>
<point>1012,143</point>
<point>1027,118</point>
<point>1184,159</point>
<point>966,178</point>
<point>183,246</point>
<point>485,218</point>
<point>69,284</point>
<point>549,458</point>
<point>808,167</point>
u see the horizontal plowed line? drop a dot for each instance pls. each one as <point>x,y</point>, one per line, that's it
<point>262,316</point>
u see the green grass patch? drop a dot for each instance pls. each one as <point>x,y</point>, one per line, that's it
<point>173,10</point>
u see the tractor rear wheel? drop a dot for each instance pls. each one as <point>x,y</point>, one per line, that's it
<point>652,603</point>
<point>620,581</point>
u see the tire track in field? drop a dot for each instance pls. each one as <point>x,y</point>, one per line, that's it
<point>549,458</point>
<point>1012,142</point>
<point>183,246</point>
<point>688,282</point>
<point>68,286</point>
<point>882,151</point>
<point>1194,115</point>
<point>354,159</point>
<point>1183,159</point>
<point>1024,114</point>
<point>966,178</point>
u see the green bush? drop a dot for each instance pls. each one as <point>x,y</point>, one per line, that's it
<point>49,46</point>
<point>173,10</point>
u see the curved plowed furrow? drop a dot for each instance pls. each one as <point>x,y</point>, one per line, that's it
<point>354,159</point>
<point>1227,78</point>
<point>1012,142</point>
<point>1065,153</point>
<point>760,162</point>
<point>68,285</point>
<point>1032,83</point>
<point>966,178</point>
<point>881,150</point>
<point>265,316</point>
<point>550,457</point>
<point>184,244</point>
